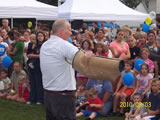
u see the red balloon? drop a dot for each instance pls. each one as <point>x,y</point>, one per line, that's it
<point>101,23</point>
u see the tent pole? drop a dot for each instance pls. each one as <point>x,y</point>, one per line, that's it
<point>36,24</point>
<point>11,22</point>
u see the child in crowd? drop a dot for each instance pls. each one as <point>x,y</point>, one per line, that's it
<point>33,40</point>
<point>134,50</point>
<point>94,105</point>
<point>142,39</point>
<point>153,105</point>
<point>137,107</point>
<point>31,45</point>
<point>22,94</point>
<point>86,46</point>
<point>80,95</point>
<point>120,95</point>
<point>144,81</point>
<point>101,50</point>
<point>5,84</point>
<point>145,56</point>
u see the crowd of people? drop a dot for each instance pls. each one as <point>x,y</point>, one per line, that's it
<point>22,81</point>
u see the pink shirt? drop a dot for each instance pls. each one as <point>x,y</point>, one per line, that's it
<point>118,48</point>
<point>88,52</point>
<point>144,80</point>
<point>150,63</point>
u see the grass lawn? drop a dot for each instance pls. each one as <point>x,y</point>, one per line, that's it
<point>10,110</point>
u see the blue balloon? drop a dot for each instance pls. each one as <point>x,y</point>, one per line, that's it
<point>6,61</point>
<point>138,63</point>
<point>145,28</point>
<point>128,79</point>
<point>70,40</point>
<point>2,49</point>
<point>99,24</point>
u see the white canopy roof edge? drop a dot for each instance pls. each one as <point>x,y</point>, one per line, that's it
<point>27,9</point>
<point>99,10</point>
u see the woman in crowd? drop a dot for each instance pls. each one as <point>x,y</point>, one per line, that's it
<point>18,48</point>
<point>119,48</point>
<point>35,75</point>
<point>86,47</point>
<point>153,49</point>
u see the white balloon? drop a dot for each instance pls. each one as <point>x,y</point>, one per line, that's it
<point>152,14</point>
<point>153,26</point>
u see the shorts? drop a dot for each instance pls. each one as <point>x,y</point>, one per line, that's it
<point>88,112</point>
<point>128,91</point>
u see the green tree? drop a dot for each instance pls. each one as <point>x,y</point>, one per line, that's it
<point>50,2</point>
<point>131,3</point>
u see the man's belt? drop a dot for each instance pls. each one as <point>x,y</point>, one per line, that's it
<point>70,93</point>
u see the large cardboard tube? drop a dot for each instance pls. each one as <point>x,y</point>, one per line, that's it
<point>99,68</point>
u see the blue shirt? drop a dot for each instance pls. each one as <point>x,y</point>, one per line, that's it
<point>102,87</point>
<point>155,104</point>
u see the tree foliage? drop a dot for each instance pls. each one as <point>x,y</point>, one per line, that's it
<point>131,3</point>
<point>50,2</point>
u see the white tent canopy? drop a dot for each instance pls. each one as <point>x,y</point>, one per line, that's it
<point>27,9</point>
<point>99,10</point>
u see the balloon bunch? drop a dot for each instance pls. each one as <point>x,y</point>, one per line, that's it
<point>128,78</point>
<point>148,21</point>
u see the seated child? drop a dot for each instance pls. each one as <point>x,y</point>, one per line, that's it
<point>80,95</point>
<point>121,94</point>
<point>144,81</point>
<point>137,107</point>
<point>153,104</point>
<point>22,90</point>
<point>22,94</point>
<point>94,105</point>
<point>5,84</point>
<point>145,56</point>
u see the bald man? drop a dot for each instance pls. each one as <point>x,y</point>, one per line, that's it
<point>58,75</point>
<point>57,59</point>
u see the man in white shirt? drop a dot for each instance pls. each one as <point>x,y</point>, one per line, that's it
<point>56,56</point>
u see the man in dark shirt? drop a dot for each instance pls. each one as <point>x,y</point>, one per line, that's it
<point>153,104</point>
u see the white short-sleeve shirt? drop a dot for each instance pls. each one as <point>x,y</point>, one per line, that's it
<point>56,57</point>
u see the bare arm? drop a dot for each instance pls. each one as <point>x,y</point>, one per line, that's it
<point>13,52</point>
<point>97,105</point>
<point>119,84</point>
<point>7,49</point>
<point>33,55</point>
<point>126,57</point>
<point>115,53</point>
